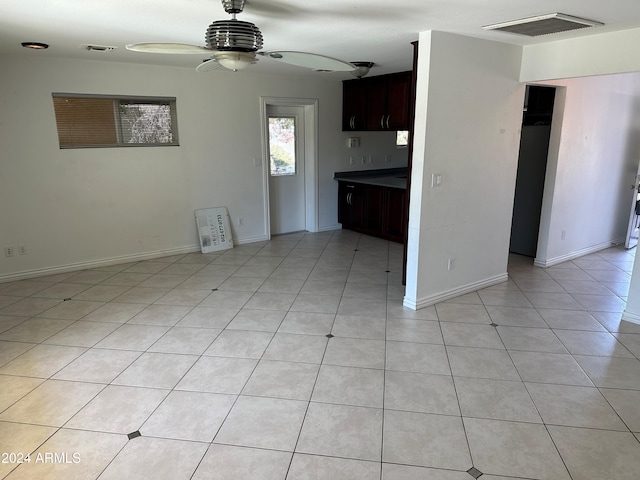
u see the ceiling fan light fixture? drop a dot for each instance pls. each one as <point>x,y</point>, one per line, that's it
<point>35,45</point>
<point>234,44</point>
<point>235,60</point>
<point>361,68</point>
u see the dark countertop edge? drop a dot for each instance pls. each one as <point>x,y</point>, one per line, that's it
<point>386,177</point>
<point>383,172</point>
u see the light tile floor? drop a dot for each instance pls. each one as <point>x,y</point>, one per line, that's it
<point>294,359</point>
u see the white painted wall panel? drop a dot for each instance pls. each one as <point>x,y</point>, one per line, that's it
<point>468,116</point>
<point>593,160</point>
<point>74,207</point>
<point>603,54</point>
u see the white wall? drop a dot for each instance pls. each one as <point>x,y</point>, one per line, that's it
<point>467,129</point>
<point>75,208</point>
<point>593,159</point>
<point>607,53</point>
<point>611,53</point>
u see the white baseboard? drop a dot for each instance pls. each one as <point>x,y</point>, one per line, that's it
<point>550,262</point>
<point>104,262</point>
<point>244,241</point>
<point>453,293</point>
<point>107,262</point>
<point>631,317</point>
<point>328,228</point>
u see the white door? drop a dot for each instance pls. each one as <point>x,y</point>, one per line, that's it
<point>634,220</point>
<point>287,202</point>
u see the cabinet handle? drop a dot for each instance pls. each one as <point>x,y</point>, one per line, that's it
<point>388,117</point>
<point>382,122</point>
<point>348,198</point>
<point>353,122</point>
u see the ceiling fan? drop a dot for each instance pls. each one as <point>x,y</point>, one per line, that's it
<point>234,44</point>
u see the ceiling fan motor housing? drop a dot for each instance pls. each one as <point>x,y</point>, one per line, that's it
<point>233,35</point>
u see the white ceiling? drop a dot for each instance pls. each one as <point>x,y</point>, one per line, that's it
<point>352,30</point>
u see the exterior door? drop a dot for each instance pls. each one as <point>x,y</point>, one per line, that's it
<point>287,201</point>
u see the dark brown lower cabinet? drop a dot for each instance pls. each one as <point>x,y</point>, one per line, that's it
<point>372,209</point>
<point>395,219</point>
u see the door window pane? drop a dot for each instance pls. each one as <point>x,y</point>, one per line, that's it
<point>282,146</point>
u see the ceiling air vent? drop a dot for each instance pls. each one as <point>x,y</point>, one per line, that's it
<point>99,48</point>
<point>543,25</point>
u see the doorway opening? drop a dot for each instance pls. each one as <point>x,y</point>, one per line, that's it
<point>286,169</point>
<point>633,229</point>
<point>290,169</point>
<point>532,168</point>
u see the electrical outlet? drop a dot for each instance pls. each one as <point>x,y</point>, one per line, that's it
<point>350,160</point>
<point>364,159</point>
<point>387,158</point>
<point>22,249</point>
<point>9,251</point>
<point>450,263</point>
<point>563,235</point>
<point>240,221</point>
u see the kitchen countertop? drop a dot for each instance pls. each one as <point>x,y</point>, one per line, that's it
<point>387,177</point>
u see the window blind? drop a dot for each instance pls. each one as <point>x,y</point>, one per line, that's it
<point>109,121</point>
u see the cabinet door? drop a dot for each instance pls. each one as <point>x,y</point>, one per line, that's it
<point>354,105</point>
<point>344,207</point>
<point>399,87</point>
<point>395,220</point>
<point>351,205</point>
<point>358,207</point>
<point>377,103</point>
<point>373,208</point>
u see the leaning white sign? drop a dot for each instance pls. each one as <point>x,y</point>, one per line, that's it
<point>214,229</point>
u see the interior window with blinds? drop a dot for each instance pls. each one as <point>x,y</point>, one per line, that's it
<point>86,121</point>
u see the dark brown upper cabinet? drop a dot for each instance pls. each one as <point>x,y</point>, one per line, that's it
<point>354,105</point>
<point>377,103</point>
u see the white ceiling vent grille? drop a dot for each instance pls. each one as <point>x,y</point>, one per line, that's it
<point>543,25</point>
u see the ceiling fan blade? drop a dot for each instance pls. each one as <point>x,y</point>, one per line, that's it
<point>171,48</point>
<point>309,60</point>
<point>207,66</point>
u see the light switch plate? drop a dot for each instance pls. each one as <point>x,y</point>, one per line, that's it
<point>436,179</point>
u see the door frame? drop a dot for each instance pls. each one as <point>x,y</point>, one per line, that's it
<point>310,114</point>
<point>633,217</point>
<point>546,229</point>
<point>289,191</point>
